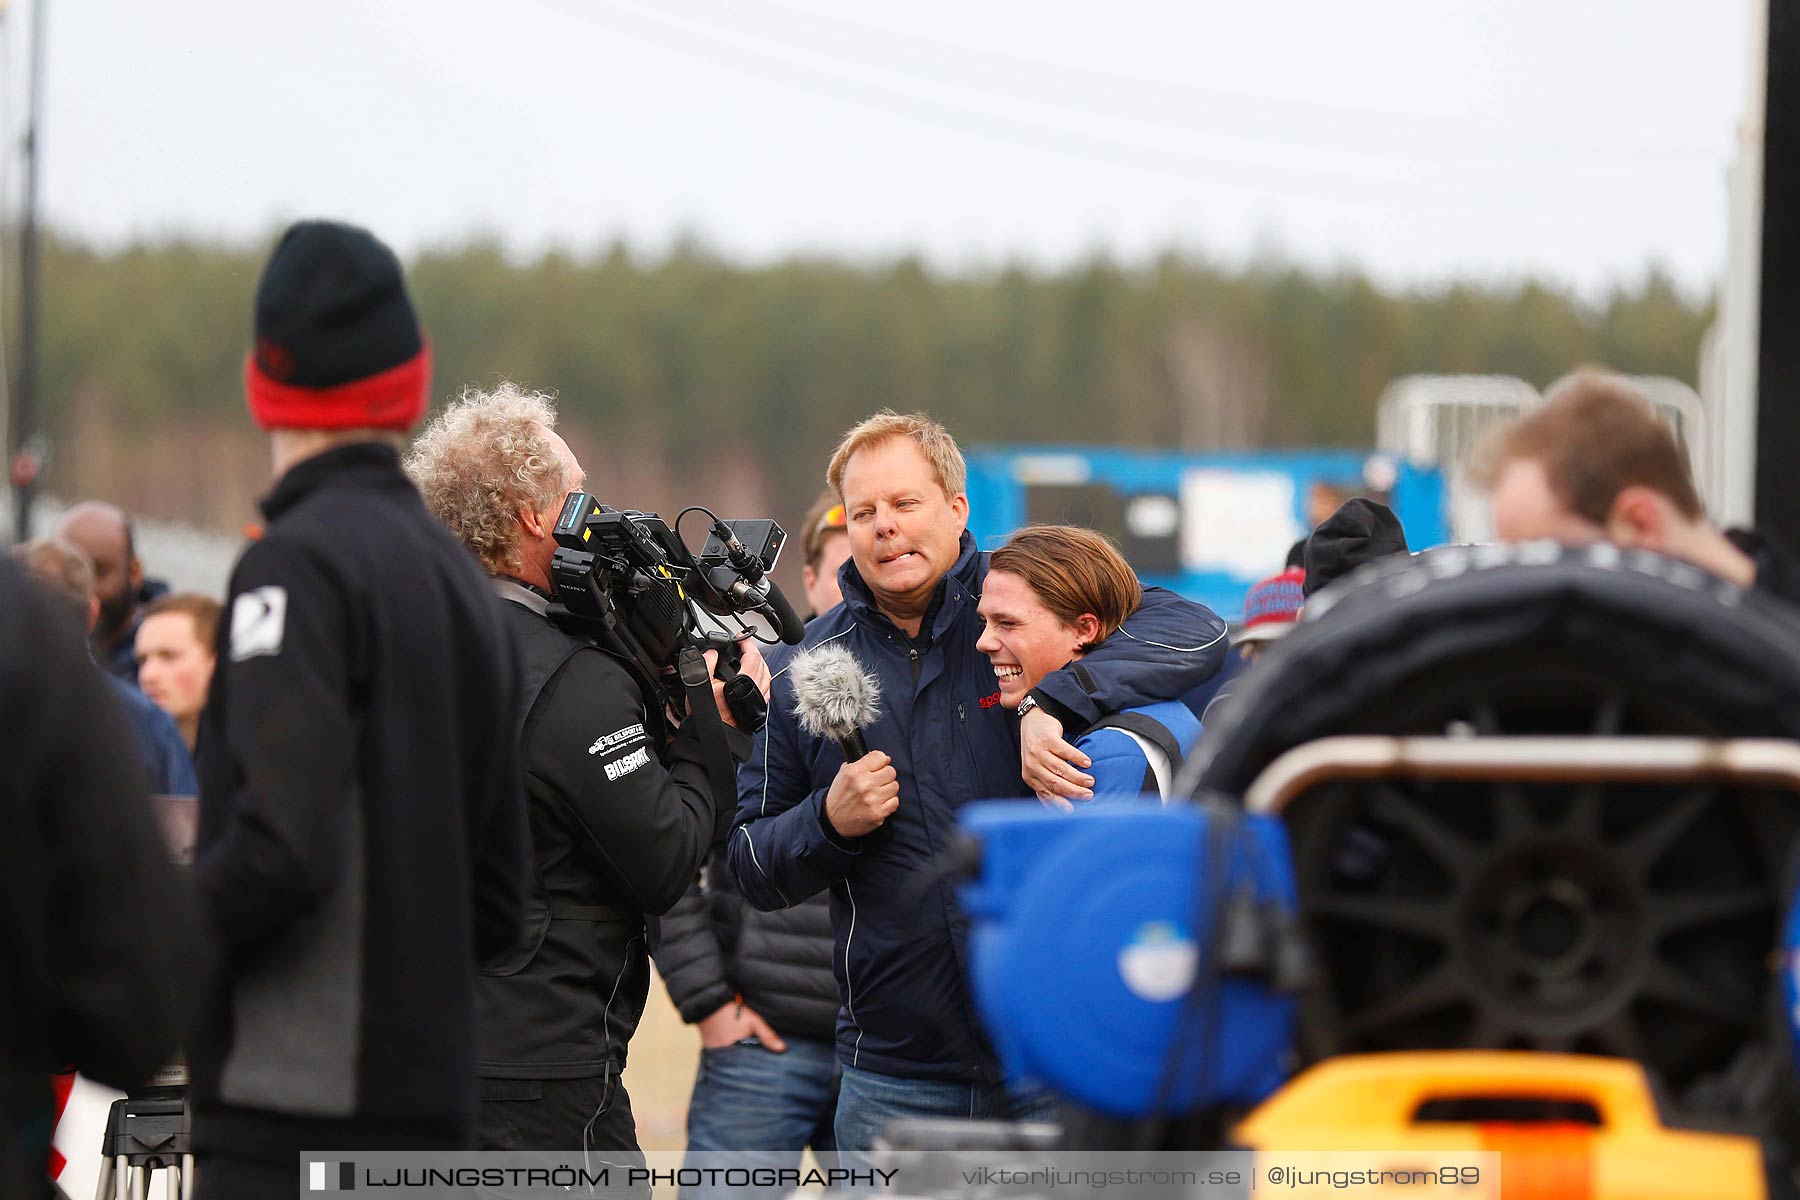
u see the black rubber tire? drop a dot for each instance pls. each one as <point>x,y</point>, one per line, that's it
<point>1692,652</point>
<point>1538,639</point>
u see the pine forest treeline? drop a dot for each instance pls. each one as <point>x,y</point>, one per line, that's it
<point>685,367</point>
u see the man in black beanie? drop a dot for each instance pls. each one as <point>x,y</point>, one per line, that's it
<point>362,838</point>
<point>1359,532</point>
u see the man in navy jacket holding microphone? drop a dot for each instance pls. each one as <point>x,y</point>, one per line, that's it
<point>908,1037</point>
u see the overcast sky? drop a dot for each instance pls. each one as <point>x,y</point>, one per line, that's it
<point>1418,139</point>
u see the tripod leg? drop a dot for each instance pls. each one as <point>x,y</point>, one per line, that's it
<point>187,1177</point>
<point>121,1178</point>
<point>140,1183</point>
<point>103,1187</point>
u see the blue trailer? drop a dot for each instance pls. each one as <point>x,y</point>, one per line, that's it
<point>1205,525</point>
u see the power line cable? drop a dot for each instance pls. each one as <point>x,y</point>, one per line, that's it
<point>754,57</point>
<point>1440,138</point>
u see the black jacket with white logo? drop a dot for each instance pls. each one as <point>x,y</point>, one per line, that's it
<point>619,824</point>
<point>362,837</point>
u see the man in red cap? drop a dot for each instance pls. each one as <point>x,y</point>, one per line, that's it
<point>361,843</point>
<point>1271,608</point>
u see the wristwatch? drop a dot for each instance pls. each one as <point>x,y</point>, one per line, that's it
<point>1027,704</point>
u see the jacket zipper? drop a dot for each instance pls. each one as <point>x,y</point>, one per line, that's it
<point>962,720</point>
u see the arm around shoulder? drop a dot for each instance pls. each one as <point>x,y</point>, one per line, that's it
<point>1167,647</point>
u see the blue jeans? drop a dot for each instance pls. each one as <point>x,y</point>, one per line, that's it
<point>867,1102</point>
<point>749,1098</point>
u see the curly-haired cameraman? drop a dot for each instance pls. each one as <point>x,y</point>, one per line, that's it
<point>621,812</point>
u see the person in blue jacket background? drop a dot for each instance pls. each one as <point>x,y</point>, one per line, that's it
<point>1053,594</point>
<point>807,820</point>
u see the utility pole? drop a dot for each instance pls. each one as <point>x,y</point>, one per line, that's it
<point>26,454</point>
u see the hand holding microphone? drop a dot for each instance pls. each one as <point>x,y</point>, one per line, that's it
<point>863,796</point>
<point>836,698</point>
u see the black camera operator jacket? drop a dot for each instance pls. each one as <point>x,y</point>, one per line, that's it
<point>619,824</point>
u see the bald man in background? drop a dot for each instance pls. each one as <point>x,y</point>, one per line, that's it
<point>104,532</point>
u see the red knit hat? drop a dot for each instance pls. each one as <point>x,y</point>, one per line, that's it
<point>1272,607</point>
<point>338,345</point>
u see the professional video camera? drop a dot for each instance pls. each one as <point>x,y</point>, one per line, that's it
<point>631,579</point>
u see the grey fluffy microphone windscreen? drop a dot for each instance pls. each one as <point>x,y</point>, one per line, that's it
<point>835,697</point>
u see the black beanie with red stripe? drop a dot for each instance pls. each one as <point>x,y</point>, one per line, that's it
<point>338,345</point>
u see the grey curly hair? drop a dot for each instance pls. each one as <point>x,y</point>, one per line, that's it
<point>482,460</point>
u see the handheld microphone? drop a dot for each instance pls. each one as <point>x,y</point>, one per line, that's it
<point>835,697</point>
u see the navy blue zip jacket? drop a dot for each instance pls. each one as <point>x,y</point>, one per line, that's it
<point>901,952</point>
